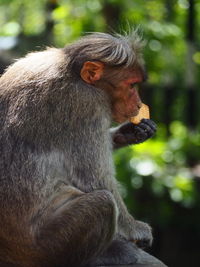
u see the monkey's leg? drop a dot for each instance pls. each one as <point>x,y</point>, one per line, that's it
<point>74,231</point>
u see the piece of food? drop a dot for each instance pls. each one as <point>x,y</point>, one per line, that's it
<point>143,114</point>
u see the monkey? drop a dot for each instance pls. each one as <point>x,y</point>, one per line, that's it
<point>59,199</point>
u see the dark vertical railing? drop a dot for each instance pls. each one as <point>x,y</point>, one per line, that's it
<point>192,96</point>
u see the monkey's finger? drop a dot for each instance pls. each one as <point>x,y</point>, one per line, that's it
<point>143,130</point>
<point>146,129</point>
<point>136,138</point>
<point>144,243</point>
<point>127,128</point>
<point>150,123</point>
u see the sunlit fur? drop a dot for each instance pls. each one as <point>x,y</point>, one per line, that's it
<point>113,50</point>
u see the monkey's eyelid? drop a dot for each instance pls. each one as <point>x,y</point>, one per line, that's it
<point>134,85</point>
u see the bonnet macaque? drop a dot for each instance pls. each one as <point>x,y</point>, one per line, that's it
<point>59,201</point>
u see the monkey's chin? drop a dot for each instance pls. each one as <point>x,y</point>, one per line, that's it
<point>121,119</point>
<point>134,113</point>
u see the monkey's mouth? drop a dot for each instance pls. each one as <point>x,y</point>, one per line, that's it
<point>133,113</point>
<point>124,116</point>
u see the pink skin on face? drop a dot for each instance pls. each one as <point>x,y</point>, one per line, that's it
<point>127,100</point>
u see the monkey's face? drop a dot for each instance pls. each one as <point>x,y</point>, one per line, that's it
<point>121,85</point>
<point>126,101</point>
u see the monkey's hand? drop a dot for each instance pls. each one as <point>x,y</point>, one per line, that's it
<point>129,133</point>
<point>137,232</point>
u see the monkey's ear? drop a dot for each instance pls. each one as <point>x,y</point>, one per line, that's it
<point>92,71</point>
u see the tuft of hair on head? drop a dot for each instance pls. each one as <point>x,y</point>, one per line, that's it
<point>111,49</point>
<point>133,39</point>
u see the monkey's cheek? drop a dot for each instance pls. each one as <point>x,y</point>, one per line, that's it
<point>119,118</point>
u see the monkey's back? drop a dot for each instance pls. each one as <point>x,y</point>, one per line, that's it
<point>42,117</point>
<point>52,133</point>
<point>25,90</point>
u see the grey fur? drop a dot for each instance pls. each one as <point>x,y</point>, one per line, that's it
<point>56,156</point>
<point>113,50</point>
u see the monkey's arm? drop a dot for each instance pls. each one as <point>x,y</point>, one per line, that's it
<point>128,227</point>
<point>129,133</point>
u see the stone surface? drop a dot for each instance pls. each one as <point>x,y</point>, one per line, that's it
<point>144,259</point>
<point>125,254</point>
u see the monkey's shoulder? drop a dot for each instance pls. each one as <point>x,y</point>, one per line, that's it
<point>46,63</point>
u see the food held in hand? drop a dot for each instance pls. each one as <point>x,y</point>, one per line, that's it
<point>143,114</point>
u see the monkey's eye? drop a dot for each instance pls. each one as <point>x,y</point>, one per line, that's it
<point>134,85</point>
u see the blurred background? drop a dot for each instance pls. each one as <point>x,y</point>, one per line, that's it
<point>160,178</point>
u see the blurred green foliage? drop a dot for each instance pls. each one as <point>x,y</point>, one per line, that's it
<point>166,161</point>
<point>162,23</point>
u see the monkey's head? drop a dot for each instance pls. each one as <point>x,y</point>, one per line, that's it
<point>115,65</point>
